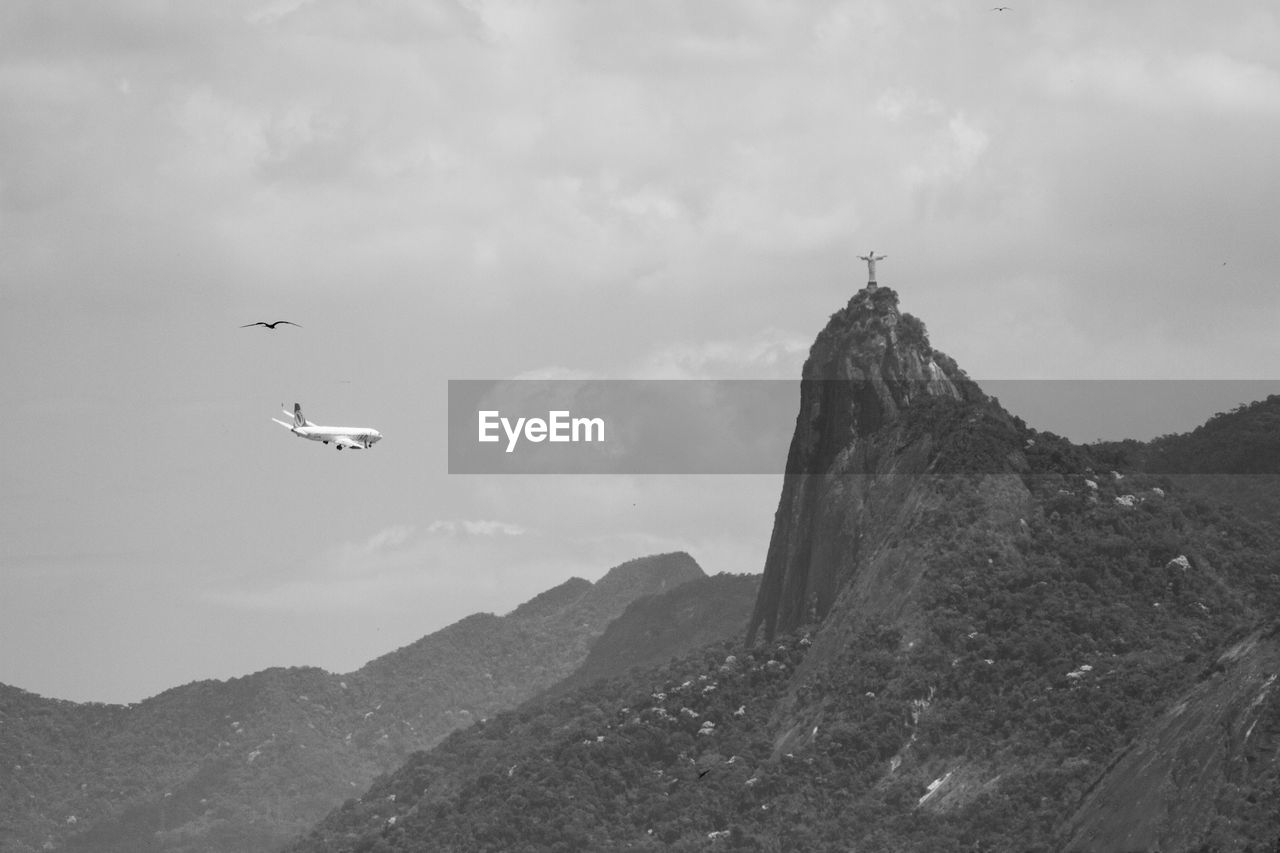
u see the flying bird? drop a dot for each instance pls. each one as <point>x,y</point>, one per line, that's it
<point>270,325</point>
<point>1000,8</point>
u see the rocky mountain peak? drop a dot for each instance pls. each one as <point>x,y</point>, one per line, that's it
<point>885,358</point>
<point>856,437</point>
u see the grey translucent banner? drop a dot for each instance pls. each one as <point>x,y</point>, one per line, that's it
<point>746,426</point>
<point>620,426</point>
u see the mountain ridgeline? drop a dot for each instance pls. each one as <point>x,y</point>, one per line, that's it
<point>656,628</point>
<point>249,763</point>
<point>969,635</point>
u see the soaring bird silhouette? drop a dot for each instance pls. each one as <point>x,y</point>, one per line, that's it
<point>1000,8</point>
<point>270,325</point>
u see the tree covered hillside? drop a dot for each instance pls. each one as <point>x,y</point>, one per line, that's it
<point>1039,647</point>
<point>1234,457</point>
<point>247,764</point>
<point>658,627</point>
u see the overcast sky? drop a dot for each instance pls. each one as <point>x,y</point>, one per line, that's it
<point>445,189</point>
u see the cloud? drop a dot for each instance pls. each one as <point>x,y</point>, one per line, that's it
<point>476,528</point>
<point>273,12</point>
<point>951,158</point>
<point>387,540</point>
<point>398,565</point>
<point>555,373</point>
<point>723,521</point>
<point>767,354</point>
<point>1230,84</point>
<point>1150,80</point>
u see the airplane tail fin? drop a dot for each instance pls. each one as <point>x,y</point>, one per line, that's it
<point>296,414</point>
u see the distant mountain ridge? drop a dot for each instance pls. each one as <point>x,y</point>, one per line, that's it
<point>1234,457</point>
<point>656,628</point>
<point>247,763</point>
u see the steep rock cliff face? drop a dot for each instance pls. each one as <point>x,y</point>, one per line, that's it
<point>865,373</point>
<point>1207,765</point>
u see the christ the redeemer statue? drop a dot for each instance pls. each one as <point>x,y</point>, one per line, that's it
<point>871,258</point>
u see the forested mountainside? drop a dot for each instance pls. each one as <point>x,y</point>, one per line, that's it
<point>1241,441</point>
<point>1233,457</point>
<point>970,635</point>
<point>654,629</point>
<point>246,764</point>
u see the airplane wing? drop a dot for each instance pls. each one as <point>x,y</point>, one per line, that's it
<point>282,423</point>
<point>345,441</point>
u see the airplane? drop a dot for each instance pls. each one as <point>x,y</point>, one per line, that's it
<point>356,438</point>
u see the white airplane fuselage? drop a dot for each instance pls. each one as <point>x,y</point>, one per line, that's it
<point>355,438</point>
